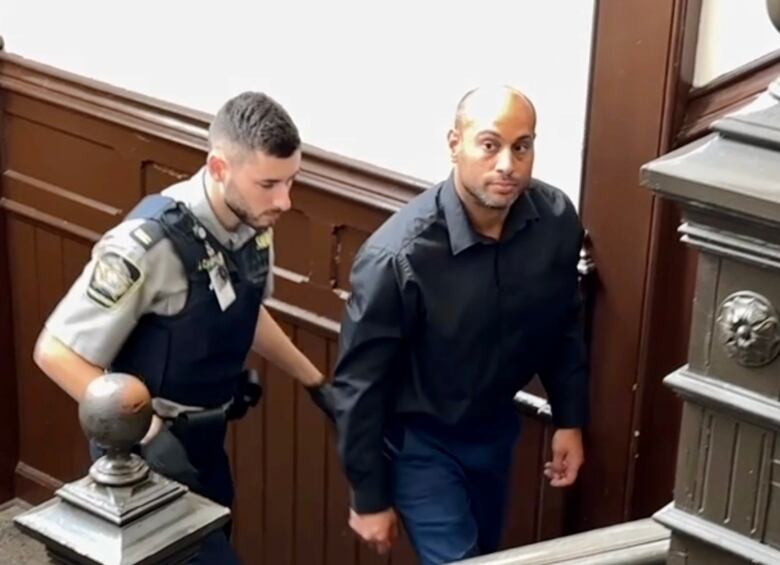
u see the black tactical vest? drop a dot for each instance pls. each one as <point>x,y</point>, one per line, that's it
<point>196,357</point>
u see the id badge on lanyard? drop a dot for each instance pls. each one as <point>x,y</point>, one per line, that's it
<point>218,274</point>
<point>221,285</point>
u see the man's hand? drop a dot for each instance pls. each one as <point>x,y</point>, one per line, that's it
<point>568,457</point>
<point>378,530</point>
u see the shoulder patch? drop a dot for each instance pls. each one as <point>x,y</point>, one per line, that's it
<point>113,278</point>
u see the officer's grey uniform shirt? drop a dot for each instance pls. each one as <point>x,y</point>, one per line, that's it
<point>95,329</point>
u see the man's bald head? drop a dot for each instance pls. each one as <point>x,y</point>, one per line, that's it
<point>481,102</point>
<point>492,146</point>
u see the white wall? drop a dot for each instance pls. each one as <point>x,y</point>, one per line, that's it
<point>370,80</point>
<point>732,33</point>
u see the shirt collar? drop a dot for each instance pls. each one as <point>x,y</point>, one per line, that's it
<point>462,234</point>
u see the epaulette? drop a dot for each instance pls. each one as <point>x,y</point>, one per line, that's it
<point>150,209</point>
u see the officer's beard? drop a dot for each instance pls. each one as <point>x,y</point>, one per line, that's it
<point>236,204</point>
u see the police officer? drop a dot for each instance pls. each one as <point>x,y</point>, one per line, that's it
<point>174,295</point>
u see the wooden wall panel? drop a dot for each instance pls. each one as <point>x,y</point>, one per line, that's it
<point>311,445</point>
<point>9,420</point>
<point>340,547</point>
<point>280,471</point>
<point>21,244</point>
<point>50,440</point>
<point>248,456</point>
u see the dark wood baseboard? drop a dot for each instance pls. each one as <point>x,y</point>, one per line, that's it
<point>34,486</point>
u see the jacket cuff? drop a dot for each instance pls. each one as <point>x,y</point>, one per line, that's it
<point>573,411</point>
<point>372,495</point>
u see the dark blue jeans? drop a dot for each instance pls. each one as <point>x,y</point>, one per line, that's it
<point>450,488</point>
<point>205,449</point>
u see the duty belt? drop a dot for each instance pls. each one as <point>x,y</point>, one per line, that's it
<point>248,395</point>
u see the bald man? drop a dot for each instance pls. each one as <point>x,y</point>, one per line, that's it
<point>457,301</point>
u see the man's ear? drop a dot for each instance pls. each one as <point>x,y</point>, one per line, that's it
<point>453,141</point>
<point>217,165</point>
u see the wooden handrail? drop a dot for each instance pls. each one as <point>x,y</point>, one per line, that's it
<point>642,542</point>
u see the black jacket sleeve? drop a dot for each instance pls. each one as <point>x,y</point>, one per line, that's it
<point>565,375</point>
<point>370,340</point>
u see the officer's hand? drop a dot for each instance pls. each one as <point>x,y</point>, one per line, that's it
<point>568,457</point>
<point>378,530</point>
<point>322,397</point>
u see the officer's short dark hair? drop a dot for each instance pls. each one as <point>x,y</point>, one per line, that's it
<point>254,121</point>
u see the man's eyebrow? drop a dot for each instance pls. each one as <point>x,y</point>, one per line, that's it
<point>494,133</point>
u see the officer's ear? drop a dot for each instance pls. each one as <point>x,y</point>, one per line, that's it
<point>217,165</point>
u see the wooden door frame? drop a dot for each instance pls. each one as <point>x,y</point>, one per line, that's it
<point>642,70</point>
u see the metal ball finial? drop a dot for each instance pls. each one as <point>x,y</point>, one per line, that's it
<point>773,10</point>
<point>115,413</point>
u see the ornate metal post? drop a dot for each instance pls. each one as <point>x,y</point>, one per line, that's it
<point>122,512</point>
<point>726,507</point>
